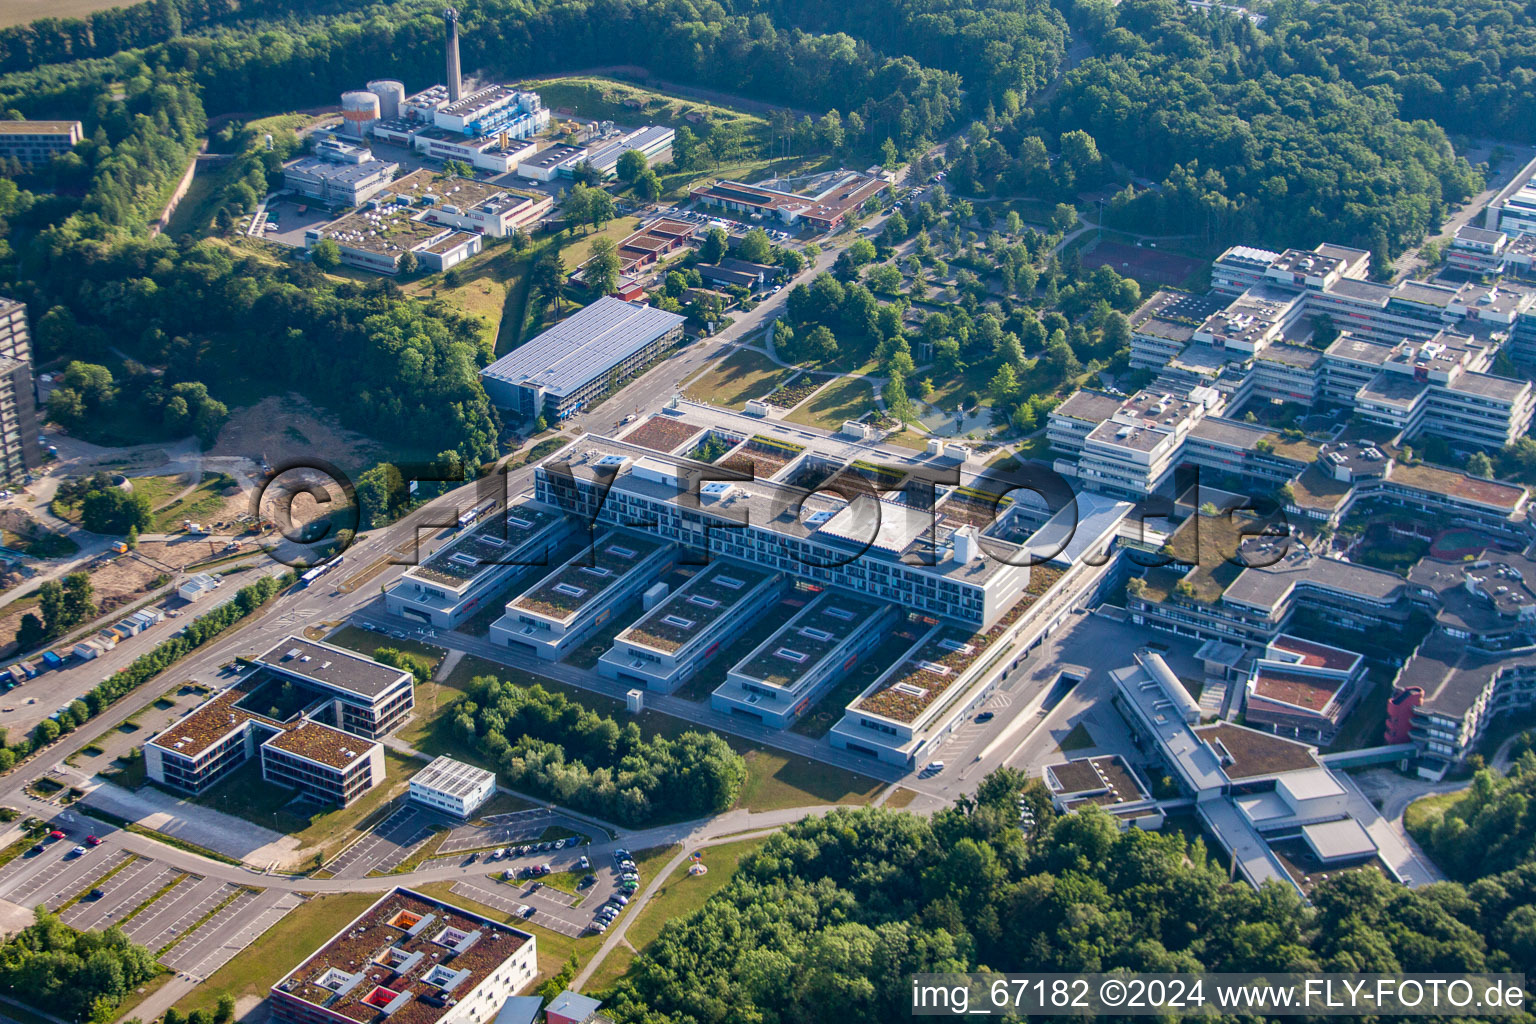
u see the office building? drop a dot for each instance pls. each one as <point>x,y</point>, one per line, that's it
<point>408,959</point>
<point>451,585</point>
<point>367,697</point>
<point>295,750</point>
<point>670,643</point>
<point>821,206</point>
<point>1259,796</point>
<point>452,786</point>
<point>336,178</point>
<point>579,359</point>
<point>1479,661</point>
<point>20,449</point>
<point>804,658</point>
<point>1302,689</point>
<point>37,142</point>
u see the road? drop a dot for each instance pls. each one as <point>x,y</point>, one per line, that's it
<point>1410,262</point>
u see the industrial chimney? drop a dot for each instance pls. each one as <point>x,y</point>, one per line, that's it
<point>455,79</point>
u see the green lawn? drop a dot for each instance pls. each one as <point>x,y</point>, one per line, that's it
<point>745,374</point>
<point>205,500</point>
<point>485,281</point>
<point>774,779</point>
<point>1422,814</point>
<point>245,795</point>
<point>366,641</point>
<point>842,400</point>
<point>683,893</point>
<point>279,949</point>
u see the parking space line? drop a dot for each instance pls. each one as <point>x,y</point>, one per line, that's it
<point>75,884</point>
<point>152,928</point>
<point>198,958</point>
<point>85,915</point>
<point>544,917</point>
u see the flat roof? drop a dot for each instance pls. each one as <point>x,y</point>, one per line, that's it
<point>1339,840</point>
<point>322,743</point>
<point>1453,675</point>
<point>1088,405</point>
<point>333,667</point>
<point>347,174</point>
<point>491,544</point>
<point>807,639</point>
<point>37,127</point>
<point>455,778</point>
<point>692,609</point>
<point>1507,497</point>
<point>586,576</point>
<point>1300,690</point>
<point>409,956</point>
<point>1109,778</point>
<point>208,723</point>
<point>583,346</point>
<point>1249,753</point>
<point>1316,655</point>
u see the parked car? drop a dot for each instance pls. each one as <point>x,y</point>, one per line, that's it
<point>55,835</point>
<point>582,863</point>
<point>78,851</point>
<point>528,912</point>
<point>590,880</point>
<point>985,716</point>
<point>622,901</point>
<point>96,894</point>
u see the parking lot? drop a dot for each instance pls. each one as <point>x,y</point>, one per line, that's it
<point>516,828</point>
<point>293,219</point>
<point>390,843</point>
<point>165,910</point>
<point>568,913</point>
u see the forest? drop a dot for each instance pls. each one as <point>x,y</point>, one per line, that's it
<point>832,916</point>
<point>78,975</point>
<point>545,743</point>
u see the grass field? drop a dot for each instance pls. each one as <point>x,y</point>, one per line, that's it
<point>484,284</point>
<point>275,953</point>
<point>207,498</point>
<point>366,641</point>
<point>683,893</point>
<point>1422,814</point>
<point>19,12</point>
<point>774,779</point>
<point>842,400</point>
<point>747,373</point>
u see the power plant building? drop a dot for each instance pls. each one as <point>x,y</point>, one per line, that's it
<point>339,175</point>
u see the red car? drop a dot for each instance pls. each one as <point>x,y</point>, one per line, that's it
<point>55,834</point>
<point>93,840</point>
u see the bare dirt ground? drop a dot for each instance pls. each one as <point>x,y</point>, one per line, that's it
<point>288,429</point>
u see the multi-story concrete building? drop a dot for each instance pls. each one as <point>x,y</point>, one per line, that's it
<point>1478,663</point>
<point>452,786</point>
<point>295,749</point>
<point>339,182</point>
<point>20,450</point>
<point>793,668</point>
<point>670,643</point>
<point>452,584</point>
<point>559,371</point>
<point>411,958</point>
<point>37,142</point>
<point>365,697</point>
<point>1477,250</point>
<point>823,207</point>
<point>1302,689</point>
<point>579,596</point>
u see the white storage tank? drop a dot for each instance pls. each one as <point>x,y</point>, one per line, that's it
<point>359,110</point>
<point>391,94</point>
